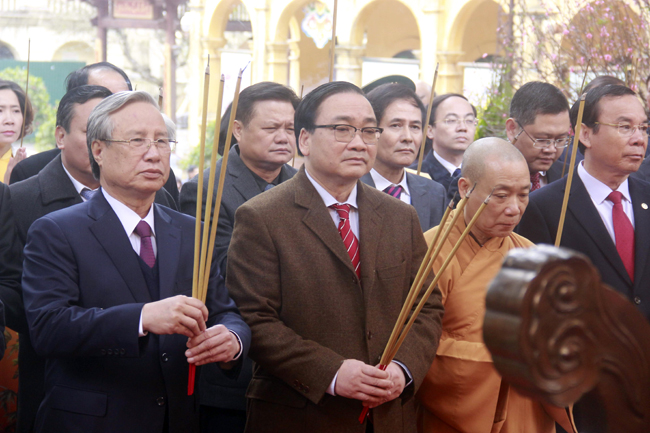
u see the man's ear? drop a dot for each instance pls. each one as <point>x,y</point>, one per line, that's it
<point>59,135</point>
<point>511,129</point>
<point>464,185</point>
<point>98,148</point>
<point>304,141</point>
<point>237,129</point>
<point>430,132</point>
<point>585,135</point>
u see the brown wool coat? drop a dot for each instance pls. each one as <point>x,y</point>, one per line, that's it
<point>293,281</point>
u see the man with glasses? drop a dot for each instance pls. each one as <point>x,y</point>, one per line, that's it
<point>400,114</point>
<point>539,127</point>
<point>452,128</point>
<point>320,267</point>
<point>65,181</point>
<point>106,286</point>
<point>607,218</point>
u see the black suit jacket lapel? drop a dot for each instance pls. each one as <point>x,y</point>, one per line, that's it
<point>587,216</point>
<point>640,196</point>
<point>55,184</point>
<point>368,180</point>
<point>109,232</point>
<point>243,180</point>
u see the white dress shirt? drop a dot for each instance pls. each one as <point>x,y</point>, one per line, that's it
<point>329,200</point>
<point>381,183</point>
<point>448,165</point>
<point>598,192</point>
<point>77,185</point>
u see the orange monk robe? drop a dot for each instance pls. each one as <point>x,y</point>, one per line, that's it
<point>462,391</point>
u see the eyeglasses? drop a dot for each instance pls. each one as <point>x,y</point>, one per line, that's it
<point>543,143</point>
<point>470,121</point>
<point>346,133</point>
<point>626,129</point>
<point>164,145</point>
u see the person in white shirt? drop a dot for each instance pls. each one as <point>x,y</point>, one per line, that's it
<point>400,114</point>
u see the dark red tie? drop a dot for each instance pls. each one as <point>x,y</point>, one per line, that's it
<point>349,239</point>
<point>623,232</point>
<point>534,181</point>
<point>146,249</point>
<point>394,190</point>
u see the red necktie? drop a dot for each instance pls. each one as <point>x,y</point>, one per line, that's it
<point>394,190</point>
<point>534,180</point>
<point>349,239</point>
<point>623,232</point>
<point>146,249</point>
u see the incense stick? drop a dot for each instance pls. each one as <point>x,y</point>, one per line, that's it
<point>425,127</point>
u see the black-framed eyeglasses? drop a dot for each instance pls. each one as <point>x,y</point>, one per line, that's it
<point>164,145</point>
<point>455,122</point>
<point>346,133</point>
<point>543,143</point>
<point>627,129</point>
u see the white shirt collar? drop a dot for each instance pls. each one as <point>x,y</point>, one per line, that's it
<point>597,190</point>
<point>381,183</point>
<point>77,185</point>
<point>329,198</point>
<point>448,165</point>
<point>127,216</point>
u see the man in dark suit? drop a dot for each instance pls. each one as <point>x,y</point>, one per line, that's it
<point>322,302</point>
<point>12,314</point>
<point>67,180</point>
<point>263,128</point>
<point>452,127</point>
<point>97,74</point>
<point>539,127</point>
<point>400,114</point>
<point>614,146</point>
<point>105,285</point>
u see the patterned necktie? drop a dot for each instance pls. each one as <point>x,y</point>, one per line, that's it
<point>534,181</point>
<point>268,187</point>
<point>349,239</point>
<point>623,232</point>
<point>394,190</point>
<point>456,173</point>
<point>146,248</point>
<point>87,193</point>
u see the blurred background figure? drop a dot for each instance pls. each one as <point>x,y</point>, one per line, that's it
<point>14,106</point>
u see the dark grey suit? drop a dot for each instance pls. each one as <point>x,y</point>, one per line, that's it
<point>216,389</point>
<point>428,197</point>
<point>33,198</point>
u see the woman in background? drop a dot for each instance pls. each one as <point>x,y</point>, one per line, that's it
<point>14,105</point>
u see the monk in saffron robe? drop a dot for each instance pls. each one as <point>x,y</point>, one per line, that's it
<point>462,392</point>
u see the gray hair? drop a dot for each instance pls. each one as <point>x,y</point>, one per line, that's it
<point>170,125</point>
<point>100,125</point>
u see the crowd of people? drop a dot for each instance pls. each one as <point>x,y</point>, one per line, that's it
<point>311,266</point>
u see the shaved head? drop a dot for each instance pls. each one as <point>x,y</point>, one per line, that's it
<point>480,153</point>
<point>498,168</point>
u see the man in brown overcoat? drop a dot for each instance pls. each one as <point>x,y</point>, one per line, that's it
<point>320,267</point>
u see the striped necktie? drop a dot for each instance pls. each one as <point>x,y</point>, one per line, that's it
<point>394,190</point>
<point>349,239</point>
<point>87,193</point>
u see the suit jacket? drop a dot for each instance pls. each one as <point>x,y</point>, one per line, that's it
<point>441,175</point>
<point>239,187</point>
<point>428,197</point>
<point>48,191</point>
<point>291,275</point>
<point>217,389</point>
<point>34,164</point>
<point>11,265</point>
<point>84,291</point>
<point>585,232</point>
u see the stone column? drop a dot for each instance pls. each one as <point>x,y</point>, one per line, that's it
<point>278,62</point>
<point>429,28</point>
<point>294,66</point>
<point>348,63</point>
<point>450,74</point>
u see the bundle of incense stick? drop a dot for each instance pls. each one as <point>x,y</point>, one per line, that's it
<point>400,331</point>
<point>205,233</point>
<point>427,119</point>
